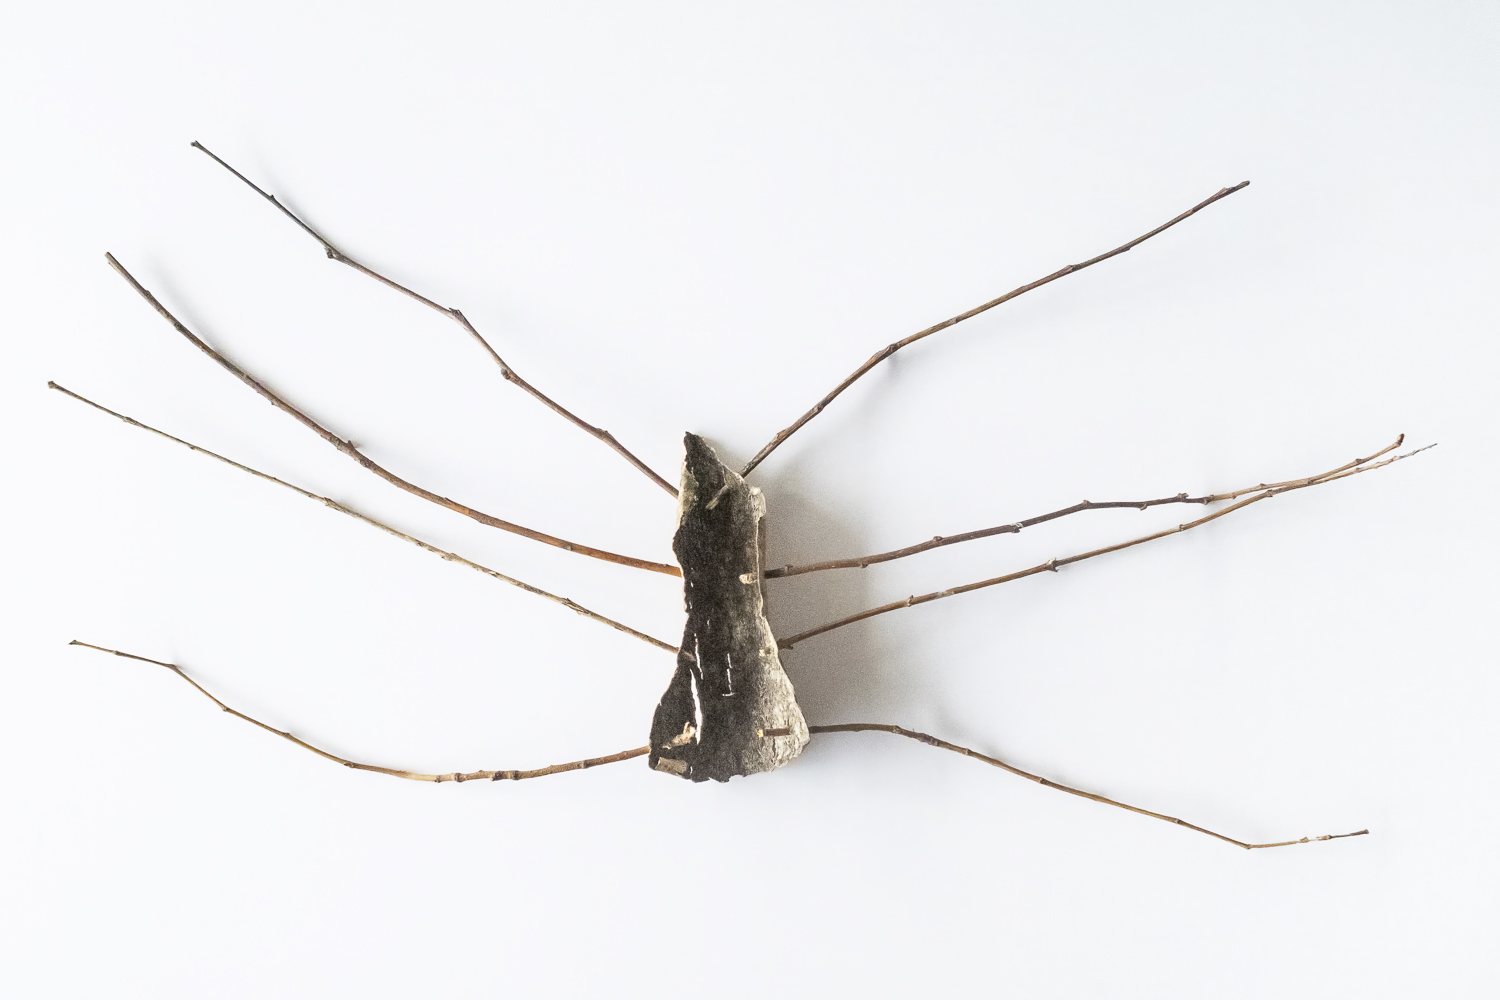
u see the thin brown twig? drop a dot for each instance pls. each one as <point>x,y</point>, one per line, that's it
<point>576,765</point>
<point>933,741</point>
<point>887,351</point>
<point>506,371</point>
<point>860,562</point>
<point>1053,565</point>
<point>348,449</point>
<point>335,505</point>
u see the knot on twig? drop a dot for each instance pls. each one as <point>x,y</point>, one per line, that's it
<point>1050,565</point>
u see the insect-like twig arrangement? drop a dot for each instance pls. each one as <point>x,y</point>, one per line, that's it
<point>729,708</point>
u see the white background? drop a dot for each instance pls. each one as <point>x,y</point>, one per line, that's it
<point>700,217</point>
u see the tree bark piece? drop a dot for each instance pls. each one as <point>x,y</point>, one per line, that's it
<point>729,686</point>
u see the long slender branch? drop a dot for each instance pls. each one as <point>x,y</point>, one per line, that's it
<point>1053,565</point>
<point>506,371</point>
<point>933,741</point>
<point>860,562</point>
<point>571,605</point>
<point>887,351</point>
<point>576,765</point>
<point>348,449</point>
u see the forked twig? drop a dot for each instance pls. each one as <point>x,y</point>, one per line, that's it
<point>576,765</point>
<point>933,741</point>
<point>335,505</point>
<point>860,562</point>
<point>1052,565</point>
<point>887,351</point>
<point>506,371</point>
<point>348,449</point>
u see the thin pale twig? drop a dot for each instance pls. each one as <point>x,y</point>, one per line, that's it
<point>933,741</point>
<point>860,562</point>
<point>571,605</point>
<point>576,765</point>
<point>348,449</point>
<point>1053,565</point>
<point>506,371</point>
<point>887,351</point>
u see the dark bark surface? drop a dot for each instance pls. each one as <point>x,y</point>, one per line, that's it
<point>729,685</point>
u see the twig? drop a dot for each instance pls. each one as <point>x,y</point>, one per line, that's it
<point>335,505</point>
<point>348,449</point>
<point>933,741</point>
<point>506,371</point>
<point>576,765</point>
<point>1053,565</point>
<point>886,352</point>
<point>939,541</point>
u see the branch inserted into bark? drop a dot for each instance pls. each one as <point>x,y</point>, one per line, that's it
<point>887,351</point>
<point>571,605</point>
<point>1052,565</point>
<point>348,449</point>
<point>506,371</point>
<point>933,741</point>
<point>860,562</point>
<point>576,765</point>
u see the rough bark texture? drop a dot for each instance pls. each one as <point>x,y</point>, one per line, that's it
<point>729,685</point>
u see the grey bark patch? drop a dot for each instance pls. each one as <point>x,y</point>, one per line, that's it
<point>729,685</point>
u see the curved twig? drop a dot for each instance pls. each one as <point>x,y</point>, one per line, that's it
<point>506,371</point>
<point>354,453</point>
<point>933,741</point>
<point>887,351</point>
<point>576,765</point>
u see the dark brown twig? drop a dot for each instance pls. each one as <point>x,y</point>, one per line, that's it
<point>1053,565</point>
<point>576,765</point>
<point>335,505</point>
<point>354,453</point>
<point>933,741</point>
<point>887,351</point>
<point>506,371</point>
<point>939,541</point>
